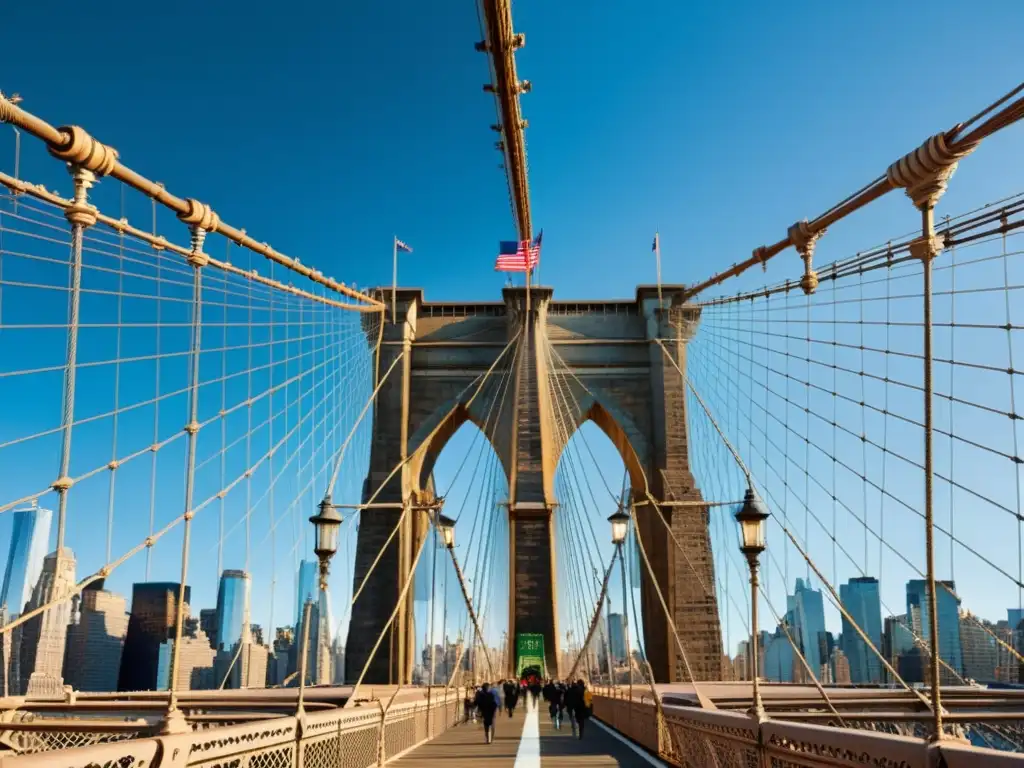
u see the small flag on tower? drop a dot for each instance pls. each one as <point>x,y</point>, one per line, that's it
<point>518,256</point>
<point>654,245</point>
<point>402,246</point>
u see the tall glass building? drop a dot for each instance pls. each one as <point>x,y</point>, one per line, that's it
<point>308,573</point>
<point>918,610</point>
<point>860,598</point>
<point>778,660</point>
<point>232,608</point>
<point>153,615</point>
<point>30,539</point>
<point>617,636</point>
<point>807,613</point>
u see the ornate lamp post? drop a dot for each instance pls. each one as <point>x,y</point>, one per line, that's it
<point>620,524</point>
<point>326,525</point>
<point>620,527</point>
<point>751,517</point>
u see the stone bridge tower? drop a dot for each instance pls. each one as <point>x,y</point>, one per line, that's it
<point>619,377</point>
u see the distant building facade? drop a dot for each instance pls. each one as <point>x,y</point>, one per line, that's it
<point>195,664</point>
<point>948,613</point>
<point>979,648</point>
<point>30,538</point>
<point>617,636</point>
<point>306,589</point>
<point>208,624</point>
<point>807,615</point>
<point>861,599</point>
<point>153,615</point>
<point>232,608</point>
<point>95,641</point>
<point>43,637</point>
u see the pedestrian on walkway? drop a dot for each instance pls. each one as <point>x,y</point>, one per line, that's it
<point>555,704</point>
<point>487,705</point>
<point>535,692</point>
<point>585,707</point>
<point>573,701</point>
<point>511,696</point>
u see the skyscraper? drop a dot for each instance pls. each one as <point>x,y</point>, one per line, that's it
<point>43,637</point>
<point>232,608</point>
<point>979,650</point>
<point>948,613</point>
<point>778,659</point>
<point>840,668</point>
<point>30,539</point>
<point>861,600</point>
<point>897,641</point>
<point>280,660</point>
<point>307,589</point>
<point>617,636</point>
<point>208,624</point>
<point>807,613</point>
<point>312,655</point>
<point>96,640</point>
<point>154,611</point>
<point>195,664</point>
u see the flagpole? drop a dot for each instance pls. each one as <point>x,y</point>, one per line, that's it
<point>394,280</point>
<point>657,259</point>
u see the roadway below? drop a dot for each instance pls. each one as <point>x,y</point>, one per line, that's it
<point>527,740</point>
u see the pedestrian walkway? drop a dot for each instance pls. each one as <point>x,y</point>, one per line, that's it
<point>526,741</point>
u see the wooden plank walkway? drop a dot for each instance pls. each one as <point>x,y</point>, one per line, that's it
<point>465,745</point>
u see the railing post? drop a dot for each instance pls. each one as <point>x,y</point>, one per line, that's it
<point>382,736</point>
<point>200,220</point>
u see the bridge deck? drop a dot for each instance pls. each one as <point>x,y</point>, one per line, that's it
<point>520,743</point>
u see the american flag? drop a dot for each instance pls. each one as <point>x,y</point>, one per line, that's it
<point>518,256</point>
<point>399,245</point>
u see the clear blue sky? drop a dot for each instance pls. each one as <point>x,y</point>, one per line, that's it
<point>327,129</point>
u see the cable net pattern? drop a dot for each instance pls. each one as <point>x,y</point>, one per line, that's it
<point>823,398</point>
<point>152,392</point>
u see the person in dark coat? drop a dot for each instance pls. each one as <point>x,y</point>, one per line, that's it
<point>555,704</point>
<point>511,696</point>
<point>487,704</point>
<point>584,707</point>
<point>573,701</point>
<point>535,691</point>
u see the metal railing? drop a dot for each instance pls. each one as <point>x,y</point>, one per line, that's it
<point>359,737</point>
<point>697,738</point>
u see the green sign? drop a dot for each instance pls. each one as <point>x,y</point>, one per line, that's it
<point>530,653</point>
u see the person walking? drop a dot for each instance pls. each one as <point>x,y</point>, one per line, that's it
<point>573,701</point>
<point>585,707</point>
<point>511,696</point>
<point>487,704</point>
<point>555,704</point>
<point>535,692</point>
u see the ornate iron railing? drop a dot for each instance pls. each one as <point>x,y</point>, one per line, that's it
<point>697,738</point>
<point>360,737</point>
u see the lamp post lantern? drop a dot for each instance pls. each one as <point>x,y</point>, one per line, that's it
<point>751,517</point>
<point>326,525</point>
<point>447,527</point>
<point>620,524</point>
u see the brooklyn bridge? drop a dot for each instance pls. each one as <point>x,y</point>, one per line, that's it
<point>396,501</point>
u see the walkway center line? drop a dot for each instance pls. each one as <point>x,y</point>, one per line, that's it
<point>528,755</point>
